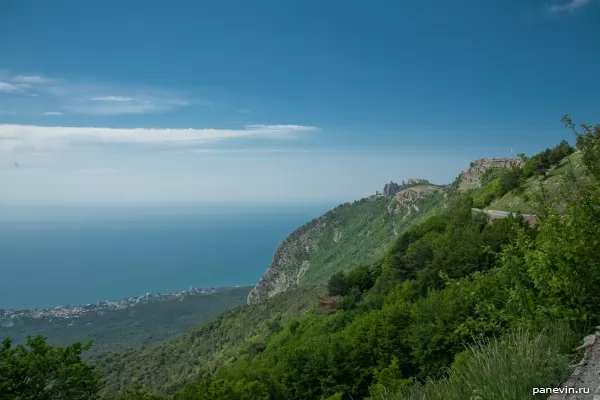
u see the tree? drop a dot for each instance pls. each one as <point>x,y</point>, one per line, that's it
<point>39,371</point>
<point>337,285</point>
<point>588,141</point>
<point>135,392</point>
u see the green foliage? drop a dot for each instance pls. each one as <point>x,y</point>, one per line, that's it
<point>240,389</point>
<point>134,392</point>
<point>505,369</point>
<point>496,182</point>
<point>39,371</point>
<point>387,332</point>
<point>541,163</point>
<point>337,285</point>
<point>588,141</point>
<point>363,231</point>
<point>170,365</point>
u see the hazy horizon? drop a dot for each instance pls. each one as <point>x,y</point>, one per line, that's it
<point>274,102</point>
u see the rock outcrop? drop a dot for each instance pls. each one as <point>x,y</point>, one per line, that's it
<point>406,198</point>
<point>391,189</point>
<point>471,176</point>
<point>290,262</point>
<point>584,383</point>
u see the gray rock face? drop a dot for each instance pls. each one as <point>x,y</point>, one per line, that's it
<point>406,198</point>
<point>290,262</point>
<point>471,176</point>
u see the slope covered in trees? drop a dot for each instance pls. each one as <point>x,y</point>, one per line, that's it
<point>451,282</point>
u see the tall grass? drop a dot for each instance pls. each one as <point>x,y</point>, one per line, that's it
<point>506,369</point>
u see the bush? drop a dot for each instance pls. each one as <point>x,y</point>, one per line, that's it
<point>505,369</point>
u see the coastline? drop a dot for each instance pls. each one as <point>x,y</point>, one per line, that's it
<point>9,316</point>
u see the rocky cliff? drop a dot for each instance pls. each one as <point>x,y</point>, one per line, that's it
<point>346,236</point>
<point>290,261</point>
<point>406,198</point>
<point>469,178</point>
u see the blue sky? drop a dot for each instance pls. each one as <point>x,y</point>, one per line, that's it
<point>279,101</point>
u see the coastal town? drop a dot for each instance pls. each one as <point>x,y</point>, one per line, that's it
<point>9,318</point>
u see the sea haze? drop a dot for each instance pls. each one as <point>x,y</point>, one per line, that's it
<point>74,256</point>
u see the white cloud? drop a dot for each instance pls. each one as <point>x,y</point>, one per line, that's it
<point>29,79</point>
<point>7,87</point>
<point>246,151</point>
<point>571,5</point>
<point>112,98</point>
<point>32,137</point>
<point>52,113</point>
<point>112,105</point>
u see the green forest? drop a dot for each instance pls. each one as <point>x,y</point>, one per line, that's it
<point>457,307</point>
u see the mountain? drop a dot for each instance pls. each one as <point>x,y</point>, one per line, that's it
<point>376,293</point>
<point>348,235</point>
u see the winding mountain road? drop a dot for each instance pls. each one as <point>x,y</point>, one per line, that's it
<point>495,214</point>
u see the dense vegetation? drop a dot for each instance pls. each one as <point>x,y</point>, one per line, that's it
<point>496,182</point>
<point>366,230</point>
<point>457,308</point>
<point>38,371</point>
<point>166,366</point>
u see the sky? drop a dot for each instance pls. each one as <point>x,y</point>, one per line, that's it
<point>282,101</point>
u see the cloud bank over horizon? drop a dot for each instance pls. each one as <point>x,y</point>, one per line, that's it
<point>33,138</point>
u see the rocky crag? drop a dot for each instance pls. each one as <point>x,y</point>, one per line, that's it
<point>470,177</point>
<point>290,261</point>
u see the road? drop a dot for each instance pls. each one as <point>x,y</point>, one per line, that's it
<point>496,214</point>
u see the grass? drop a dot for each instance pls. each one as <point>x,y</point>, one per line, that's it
<point>514,202</point>
<point>366,230</point>
<point>506,369</point>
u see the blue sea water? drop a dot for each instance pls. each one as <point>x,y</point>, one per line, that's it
<point>54,257</point>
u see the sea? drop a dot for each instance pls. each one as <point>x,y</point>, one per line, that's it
<point>73,256</point>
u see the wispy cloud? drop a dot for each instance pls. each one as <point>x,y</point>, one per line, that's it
<point>29,79</point>
<point>32,137</point>
<point>94,98</point>
<point>570,6</point>
<point>112,98</point>
<point>244,111</point>
<point>8,87</point>
<point>263,150</point>
<point>50,113</point>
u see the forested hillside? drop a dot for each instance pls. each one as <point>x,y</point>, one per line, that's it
<point>350,234</point>
<point>457,307</point>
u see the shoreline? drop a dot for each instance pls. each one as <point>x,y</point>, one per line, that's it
<point>7,316</point>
